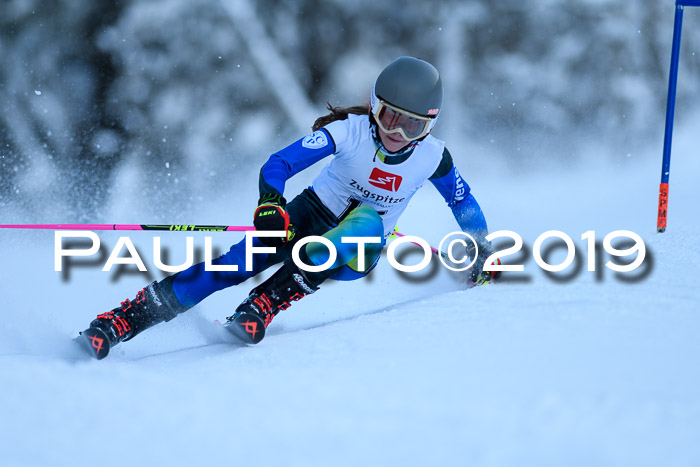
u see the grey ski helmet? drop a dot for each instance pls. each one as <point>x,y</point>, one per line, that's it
<point>410,84</point>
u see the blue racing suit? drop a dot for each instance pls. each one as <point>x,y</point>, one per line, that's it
<point>309,216</point>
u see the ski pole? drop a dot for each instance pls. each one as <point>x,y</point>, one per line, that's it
<point>167,227</point>
<point>173,227</point>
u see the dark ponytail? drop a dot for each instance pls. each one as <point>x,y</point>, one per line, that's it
<point>339,113</point>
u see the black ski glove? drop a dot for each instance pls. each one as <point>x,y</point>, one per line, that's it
<point>271,215</point>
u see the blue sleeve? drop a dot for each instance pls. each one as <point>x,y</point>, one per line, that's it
<point>458,197</point>
<point>284,164</point>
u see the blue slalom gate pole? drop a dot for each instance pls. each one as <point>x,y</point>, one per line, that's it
<point>670,111</point>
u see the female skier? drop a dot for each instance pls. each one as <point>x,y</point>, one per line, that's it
<point>383,153</point>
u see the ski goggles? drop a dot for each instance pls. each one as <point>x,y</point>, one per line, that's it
<point>395,120</point>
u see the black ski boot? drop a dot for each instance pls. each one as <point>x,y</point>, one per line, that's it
<point>287,285</point>
<point>153,304</point>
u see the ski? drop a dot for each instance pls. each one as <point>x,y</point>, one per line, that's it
<point>95,342</point>
<point>247,327</point>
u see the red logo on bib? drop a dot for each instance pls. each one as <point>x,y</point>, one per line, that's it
<point>385,180</point>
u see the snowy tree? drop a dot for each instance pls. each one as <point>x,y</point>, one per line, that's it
<point>165,102</point>
<point>56,138</point>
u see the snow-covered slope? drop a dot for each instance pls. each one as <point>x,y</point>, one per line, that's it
<point>592,370</point>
